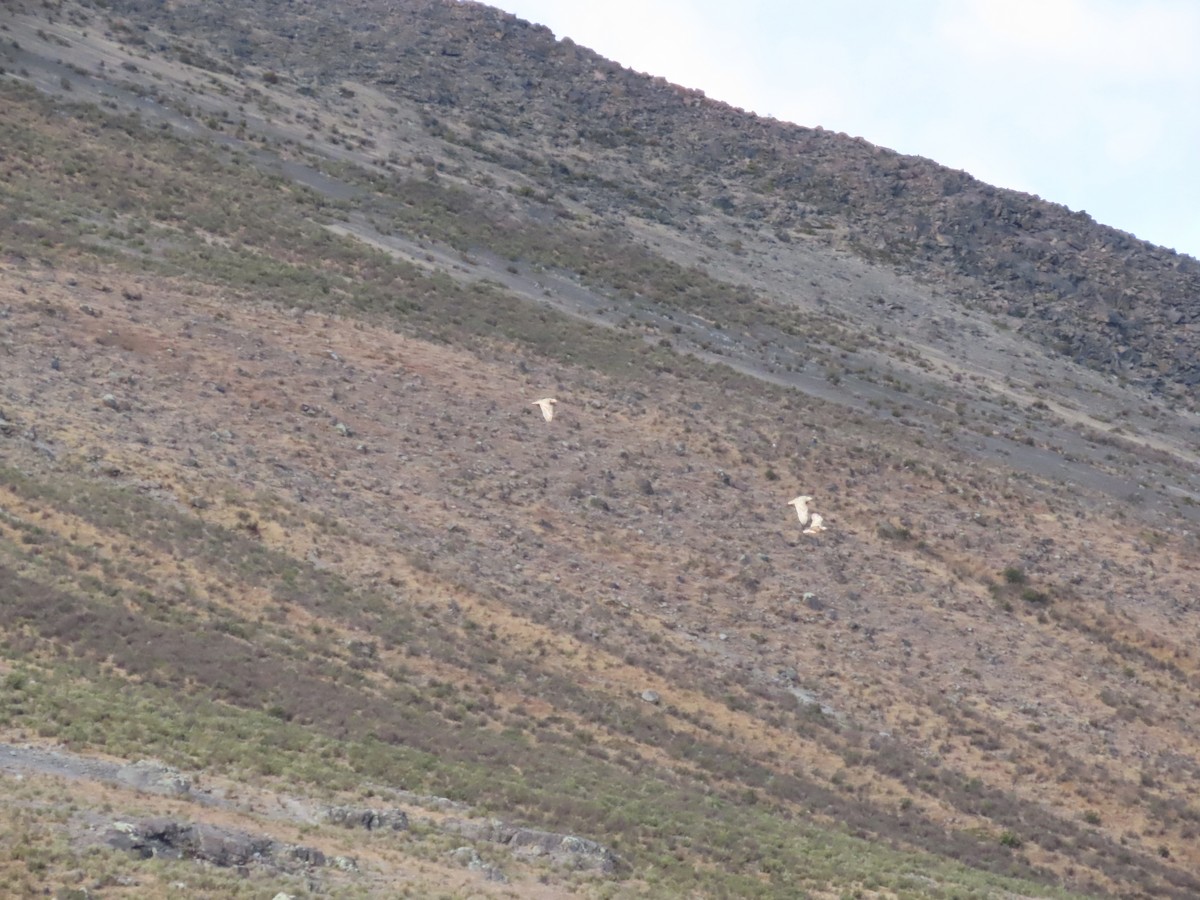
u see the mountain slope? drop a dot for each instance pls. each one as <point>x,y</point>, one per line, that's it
<point>574,123</point>
<point>277,509</point>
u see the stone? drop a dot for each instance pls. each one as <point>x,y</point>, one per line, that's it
<point>564,849</point>
<point>168,838</point>
<point>155,777</point>
<point>370,819</point>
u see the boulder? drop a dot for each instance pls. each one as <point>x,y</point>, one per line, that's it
<point>155,777</point>
<point>225,847</point>
<point>370,819</point>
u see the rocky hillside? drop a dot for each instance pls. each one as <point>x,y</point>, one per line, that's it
<point>303,596</point>
<point>629,145</point>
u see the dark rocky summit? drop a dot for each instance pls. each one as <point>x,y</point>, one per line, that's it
<point>1094,293</point>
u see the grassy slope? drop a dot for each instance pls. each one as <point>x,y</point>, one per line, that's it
<point>141,625</point>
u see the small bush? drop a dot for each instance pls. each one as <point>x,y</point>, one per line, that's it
<point>1030,595</point>
<point>1015,575</point>
<point>890,532</point>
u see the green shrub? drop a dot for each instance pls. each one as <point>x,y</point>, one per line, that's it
<point>1015,575</point>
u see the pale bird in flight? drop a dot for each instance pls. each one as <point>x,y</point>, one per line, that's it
<point>801,504</point>
<point>547,405</point>
<point>815,525</point>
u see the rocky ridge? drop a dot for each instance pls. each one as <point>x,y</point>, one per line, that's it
<point>1093,293</point>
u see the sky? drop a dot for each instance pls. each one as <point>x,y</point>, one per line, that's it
<point>1094,104</point>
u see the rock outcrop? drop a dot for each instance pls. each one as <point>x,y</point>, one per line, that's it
<point>370,819</point>
<point>565,850</point>
<point>224,847</point>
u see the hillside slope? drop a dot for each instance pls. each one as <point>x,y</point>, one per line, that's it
<point>577,124</point>
<point>276,510</point>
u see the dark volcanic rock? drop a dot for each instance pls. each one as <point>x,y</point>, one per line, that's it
<point>225,847</point>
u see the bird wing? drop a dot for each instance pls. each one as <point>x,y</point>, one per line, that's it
<point>801,504</point>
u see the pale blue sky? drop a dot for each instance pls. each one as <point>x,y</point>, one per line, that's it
<point>1091,103</point>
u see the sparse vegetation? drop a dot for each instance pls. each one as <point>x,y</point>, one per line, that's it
<point>271,512</point>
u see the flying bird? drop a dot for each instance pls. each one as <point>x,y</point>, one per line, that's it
<point>816,525</point>
<point>801,504</point>
<point>547,405</point>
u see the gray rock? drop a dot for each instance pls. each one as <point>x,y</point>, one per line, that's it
<point>308,857</point>
<point>560,849</point>
<point>563,849</point>
<point>225,847</point>
<point>155,777</point>
<point>370,819</point>
<point>651,696</point>
<point>469,857</point>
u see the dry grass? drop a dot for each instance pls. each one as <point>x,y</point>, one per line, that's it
<point>970,679</point>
